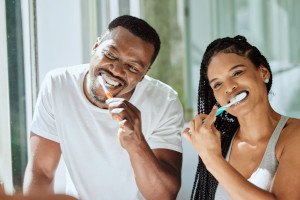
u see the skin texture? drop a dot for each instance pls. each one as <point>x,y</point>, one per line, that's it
<point>3,196</point>
<point>229,74</point>
<point>124,58</point>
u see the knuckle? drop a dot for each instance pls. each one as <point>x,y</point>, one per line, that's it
<point>205,128</point>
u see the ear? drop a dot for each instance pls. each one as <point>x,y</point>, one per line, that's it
<point>145,74</point>
<point>95,46</point>
<point>148,69</point>
<point>264,73</point>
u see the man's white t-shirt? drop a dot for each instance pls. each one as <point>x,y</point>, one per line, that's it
<point>99,167</point>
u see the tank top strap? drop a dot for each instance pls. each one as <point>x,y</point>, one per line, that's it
<point>278,129</point>
<point>269,160</point>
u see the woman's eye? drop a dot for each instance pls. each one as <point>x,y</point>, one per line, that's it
<point>237,73</point>
<point>216,86</point>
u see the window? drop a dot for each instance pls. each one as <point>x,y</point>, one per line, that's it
<point>167,17</point>
<point>17,99</point>
<point>185,28</point>
<point>5,150</point>
<point>272,26</point>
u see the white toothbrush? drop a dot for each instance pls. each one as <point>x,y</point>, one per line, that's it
<point>107,93</point>
<point>236,99</point>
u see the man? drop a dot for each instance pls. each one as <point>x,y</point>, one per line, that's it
<point>125,147</point>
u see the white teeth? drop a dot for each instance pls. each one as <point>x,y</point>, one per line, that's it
<point>109,82</point>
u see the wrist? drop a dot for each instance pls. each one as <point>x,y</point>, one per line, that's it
<point>213,161</point>
<point>135,145</point>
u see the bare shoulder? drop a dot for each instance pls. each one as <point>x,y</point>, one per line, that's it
<point>292,128</point>
<point>288,148</point>
<point>290,136</point>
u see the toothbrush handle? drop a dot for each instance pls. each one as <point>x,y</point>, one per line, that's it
<point>220,110</point>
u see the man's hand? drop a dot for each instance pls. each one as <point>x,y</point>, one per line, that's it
<point>129,118</point>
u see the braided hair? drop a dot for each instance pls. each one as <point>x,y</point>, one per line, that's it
<point>205,184</point>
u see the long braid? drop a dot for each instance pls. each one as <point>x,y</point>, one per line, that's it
<point>205,184</point>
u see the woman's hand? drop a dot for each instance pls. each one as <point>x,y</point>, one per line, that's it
<point>204,137</point>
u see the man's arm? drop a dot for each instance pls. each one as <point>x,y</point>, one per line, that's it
<point>42,163</point>
<point>157,172</point>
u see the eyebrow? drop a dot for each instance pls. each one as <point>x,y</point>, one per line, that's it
<point>231,69</point>
<point>139,62</point>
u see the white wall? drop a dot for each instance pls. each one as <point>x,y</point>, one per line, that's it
<point>5,148</point>
<point>59,25</point>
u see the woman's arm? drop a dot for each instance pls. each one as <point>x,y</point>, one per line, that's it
<point>206,140</point>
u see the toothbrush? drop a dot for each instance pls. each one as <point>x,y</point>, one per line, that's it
<point>107,93</point>
<point>236,99</point>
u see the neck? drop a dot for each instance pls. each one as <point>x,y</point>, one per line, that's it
<point>258,125</point>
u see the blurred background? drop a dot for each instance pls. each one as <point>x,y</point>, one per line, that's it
<point>39,35</point>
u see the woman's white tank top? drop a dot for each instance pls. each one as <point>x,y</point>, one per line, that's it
<point>265,172</point>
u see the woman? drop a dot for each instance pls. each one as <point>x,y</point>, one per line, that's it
<point>250,151</point>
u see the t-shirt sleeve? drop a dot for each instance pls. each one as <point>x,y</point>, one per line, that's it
<point>167,135</point>
<point>43,122</point>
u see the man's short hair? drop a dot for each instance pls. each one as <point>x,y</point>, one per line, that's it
<point>140,28</point>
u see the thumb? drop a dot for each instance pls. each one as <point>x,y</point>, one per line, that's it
<point>216,131</point>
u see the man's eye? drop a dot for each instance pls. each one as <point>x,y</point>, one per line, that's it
<point>132,69</point>
<point>110,55</point>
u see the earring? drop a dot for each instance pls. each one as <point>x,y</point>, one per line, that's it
<point>266,80</point>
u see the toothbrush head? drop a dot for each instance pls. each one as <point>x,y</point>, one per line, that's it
<point>107,93</point>
<point>238,98</point>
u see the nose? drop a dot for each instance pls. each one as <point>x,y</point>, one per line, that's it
<point>231,88</point>
<point>117,68</point>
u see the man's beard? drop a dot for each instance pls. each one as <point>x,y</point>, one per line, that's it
<point>95,97</point>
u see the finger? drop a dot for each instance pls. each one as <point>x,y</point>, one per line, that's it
<point>114,102</point>
<point>192,125</point>
<point>199,120</point>
<point>116,110</point>
<point>131,113</point>
<point>125,126</point>
<point>119,109</point>
<point>211,118</point>
<point>116,113</point>
<point>216,132</point>
<point>125,111</point>
<point>122,116</point>
<point>111,100</point>
<point>121,103</point>
<point>122,122</point>
<point>187,135</point>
